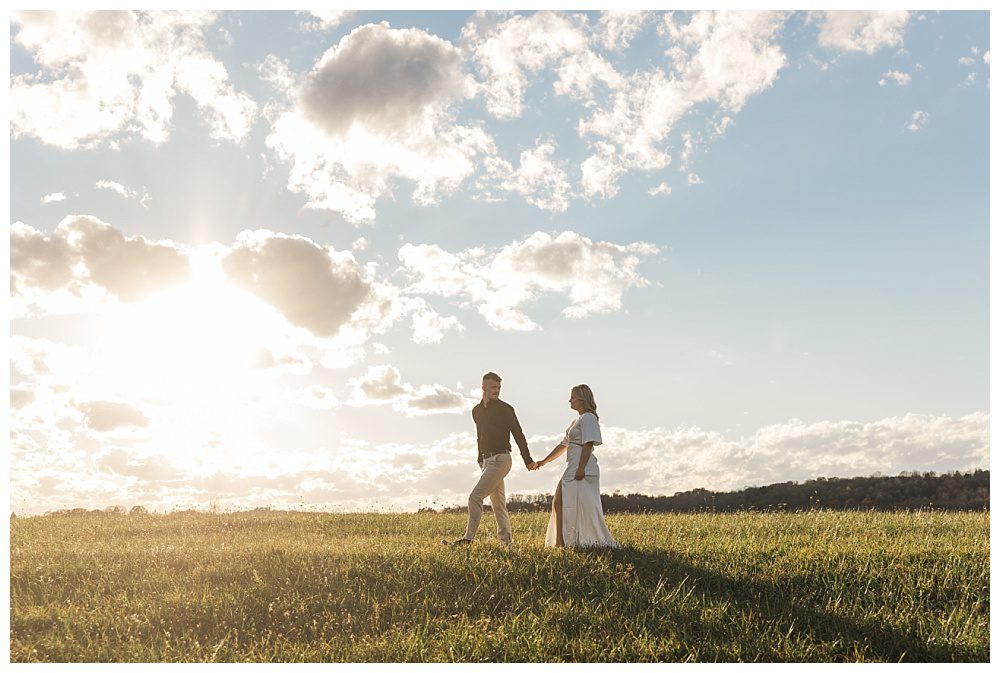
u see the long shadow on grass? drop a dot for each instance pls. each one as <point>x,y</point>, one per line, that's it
<point>781,611</point>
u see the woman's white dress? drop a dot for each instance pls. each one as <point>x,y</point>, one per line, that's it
<point>582,515</point>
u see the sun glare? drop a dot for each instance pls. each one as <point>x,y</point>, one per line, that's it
<point>197,339</point>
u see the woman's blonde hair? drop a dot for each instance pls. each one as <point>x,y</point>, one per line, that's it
<point>586,396</point>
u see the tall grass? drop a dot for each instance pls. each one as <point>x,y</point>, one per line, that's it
<point>270,586</point>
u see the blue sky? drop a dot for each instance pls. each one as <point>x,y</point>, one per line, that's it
<point>264,257</point>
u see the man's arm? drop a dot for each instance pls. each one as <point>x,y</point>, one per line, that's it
<point>522,443</point>
<point>479,451</point>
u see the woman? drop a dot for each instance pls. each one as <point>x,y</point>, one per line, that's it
<point>577,518</point>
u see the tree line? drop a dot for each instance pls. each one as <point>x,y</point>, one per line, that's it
<point>953,491</point>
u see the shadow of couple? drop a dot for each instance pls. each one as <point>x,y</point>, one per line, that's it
<point>775,619</point>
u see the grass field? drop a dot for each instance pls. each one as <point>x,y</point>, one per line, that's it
<point>285,586</point>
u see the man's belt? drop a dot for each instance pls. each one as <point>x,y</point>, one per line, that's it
<point>495,453</point>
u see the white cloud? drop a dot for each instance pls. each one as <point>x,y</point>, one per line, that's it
<point>616,29</point>
<point>105,415</point>
<point>901,78</point>
<point>509,52</point>
<point>107,74</point>
<point>383,79</point>
<point>717,57</point>
<point>376,107</point>
<point>290,362</point>
<point>53,197</point>
<point>311,286</point>
<point>966,60</point>
<point>662,188</point>
<point>861,30</point>
<point>318,397</point>
<point>354,474</point>
<point>918,121</point>
<point>429,326</point>
<point>125,192</point>
<point>986,58</point>
<point>310,296</point>
<point>541,181</point>
<point>154,468</point>
<point>84,251</point>
<point>593,275</point>
<point>694,179</point>
<point>384,385</point>
<point>116,187</point>
<point>601,170</point>
<point>325,19</point>
<point>277,73</point>
<point>727,56</point>
<point>21,397</point>
<point>579,74</point>
<point>665,461</point>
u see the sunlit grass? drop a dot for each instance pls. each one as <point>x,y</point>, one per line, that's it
<point>269,586</point>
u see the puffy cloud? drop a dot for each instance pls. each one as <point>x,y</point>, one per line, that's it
<point>726,56</point>
<point>21,397</point>
<point>601,170</point>
<point>53,197</point>
<point>384,385</point>
<point>541,181</point>
<point>429,326</point>
<point>109,73</point>
<point>861,30</point>
<point>901,78</point>
<point>83,250</point>
<point>662,188</point>
<point>694,179</point>
<point>379,384</point>
<point>325,19</point>
<point>312,287</point>
<point>41,361</point>
<point>39,261</point>
<point>718,57</point>
<point>617,28</point>
<point>918,121</point>
<point>291,363</point>
<point>509,52</point>
<point>661,461</point>
<point>277,73</point>
<point>154,468</point>
<point>375,107</point>
<point>328,294</point>
<point>355,474</point>
<point>593,275</point>
<point>125,192</point>
<point>579,74</point>
<point>310,296</point>
<point>318,397</point>
<point>104,415</point>
<point>986,58</point>
<point>383,79</point>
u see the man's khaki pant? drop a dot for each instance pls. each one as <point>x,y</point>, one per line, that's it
<point>495,468</point>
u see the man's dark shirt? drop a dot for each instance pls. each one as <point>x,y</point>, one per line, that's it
<point>494,426</point>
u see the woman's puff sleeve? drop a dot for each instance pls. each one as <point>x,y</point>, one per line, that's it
<point>590,431</point>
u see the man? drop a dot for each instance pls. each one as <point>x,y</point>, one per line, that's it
<point>495,423</point>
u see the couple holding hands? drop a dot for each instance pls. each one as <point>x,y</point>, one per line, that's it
<point>577,518</point>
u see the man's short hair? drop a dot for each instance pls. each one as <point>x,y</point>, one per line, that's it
<point>492,376</point>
